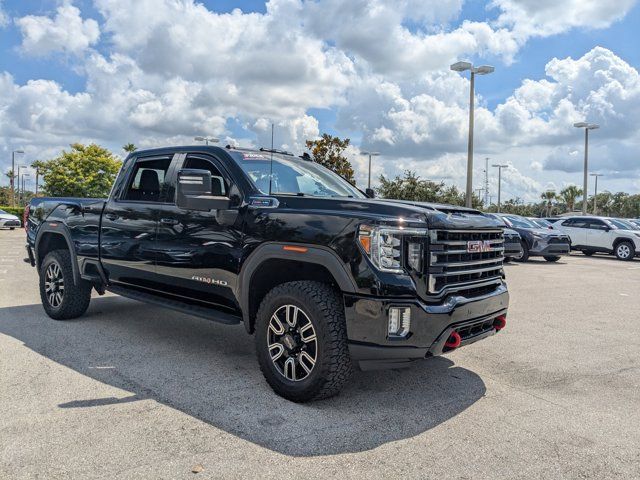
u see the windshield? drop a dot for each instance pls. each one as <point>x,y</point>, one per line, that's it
<point>541,222</point>
<point>622,224</point>
<point>520,222</point>
<point>294,176</point>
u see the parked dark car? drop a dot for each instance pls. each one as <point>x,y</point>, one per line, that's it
<point>512,244</point>
<point>324,276</point>
<point>535,241</point>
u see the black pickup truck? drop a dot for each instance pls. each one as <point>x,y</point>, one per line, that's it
<point>324,275</point>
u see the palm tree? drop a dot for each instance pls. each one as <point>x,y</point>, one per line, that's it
<point>129,147</point>
<point>569,195</point>
<point>549,196</point>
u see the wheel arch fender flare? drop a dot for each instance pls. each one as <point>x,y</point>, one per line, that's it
<point>313,254</point>
<point>61,230</point>
<point>618,240</point>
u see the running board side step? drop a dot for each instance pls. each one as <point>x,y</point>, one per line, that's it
<point>195,310</point>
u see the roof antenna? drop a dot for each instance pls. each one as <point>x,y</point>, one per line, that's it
<point>271,165</point>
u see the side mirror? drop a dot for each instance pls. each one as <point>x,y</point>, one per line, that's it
<point>370,193</point>
<point>193,191</point>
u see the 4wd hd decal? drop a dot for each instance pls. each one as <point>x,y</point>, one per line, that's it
<point>209,280</point>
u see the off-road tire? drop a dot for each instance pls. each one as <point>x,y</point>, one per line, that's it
<point>525,253</point>
<point>324,307</point>
<point>620,248</point>
<point>75,298</point>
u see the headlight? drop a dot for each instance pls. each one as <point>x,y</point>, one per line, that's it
<point>385,246</point>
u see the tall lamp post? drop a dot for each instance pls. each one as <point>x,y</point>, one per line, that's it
<point>500,167</point>
<point>587,126</point>
<point>13,176</point>
<point>481,70</point>
<point>595,195</point>
<point>206,140</point>
<point>20,184</point>
<point>371,154</point>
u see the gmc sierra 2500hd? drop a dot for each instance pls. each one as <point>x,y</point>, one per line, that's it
<point>325,276</point>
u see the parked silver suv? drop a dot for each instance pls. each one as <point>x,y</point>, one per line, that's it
<point>601,234</point>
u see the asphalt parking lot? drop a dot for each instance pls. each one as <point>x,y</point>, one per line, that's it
<point>136,391</point>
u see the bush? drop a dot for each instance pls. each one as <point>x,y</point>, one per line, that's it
<point>17,211</point>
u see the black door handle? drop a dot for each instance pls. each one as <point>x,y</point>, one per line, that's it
<point>169,221</point>
<point>110,216</point>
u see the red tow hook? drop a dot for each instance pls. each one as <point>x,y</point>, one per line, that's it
<point>500,322</point>
<point>453,341</point>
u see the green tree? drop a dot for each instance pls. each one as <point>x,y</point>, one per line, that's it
<point>568,195</point>
<point>84,171</point>
<point>412,187</point>
<point>129,148</point>
<point>549,197</point>
<point>328,151</point>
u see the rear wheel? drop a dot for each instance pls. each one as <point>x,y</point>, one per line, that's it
<point>301,341</point>
<point>588,253</point>
<point>552,258</point>
<point>61,298</point>
<point>12,228</point>
<point>524,256</point>
<point>625,251</point>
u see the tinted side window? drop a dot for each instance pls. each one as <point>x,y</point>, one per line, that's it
<point>218,185</point>
<point>597,225</point>
<point>146,180</point>
<point>576,223</point>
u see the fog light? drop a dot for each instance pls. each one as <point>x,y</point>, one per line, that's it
<point>399,321</point>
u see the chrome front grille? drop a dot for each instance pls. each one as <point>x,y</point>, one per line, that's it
<point>464,261</point>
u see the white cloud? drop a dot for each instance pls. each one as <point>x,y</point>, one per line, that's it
<point>4,18</point>
<point>529,18</point>
<point>66,32</point>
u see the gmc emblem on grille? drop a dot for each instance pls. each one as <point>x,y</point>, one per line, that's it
<point>479,246</point>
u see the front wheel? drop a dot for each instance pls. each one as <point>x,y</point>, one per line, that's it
<point>61,298</point>
<point>552,258</point>
<point>524,255</point>
<point>625,251</point>
<point>301,341</point>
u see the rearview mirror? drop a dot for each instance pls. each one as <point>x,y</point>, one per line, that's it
<point>193,191</point>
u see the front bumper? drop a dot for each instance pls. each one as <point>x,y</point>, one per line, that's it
<point>431,326</point>
<point>543,248</point>
<point>10,223</point>
<point>512,249</point>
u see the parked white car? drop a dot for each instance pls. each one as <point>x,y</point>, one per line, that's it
<point>601,234</point>
<point>9,221</point>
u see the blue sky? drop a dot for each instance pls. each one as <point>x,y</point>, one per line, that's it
<point>373,91</point>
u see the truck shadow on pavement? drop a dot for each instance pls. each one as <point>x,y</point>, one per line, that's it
<point>209,371</point>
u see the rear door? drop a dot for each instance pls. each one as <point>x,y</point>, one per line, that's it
<point>130,221</point>
<point>576,228</point>
<point>198,252</point>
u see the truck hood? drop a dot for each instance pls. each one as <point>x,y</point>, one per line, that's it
<point>436,216</point>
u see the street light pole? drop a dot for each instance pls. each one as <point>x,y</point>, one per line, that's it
<point>481,70</point>
<point>13,176</point>
<point>371,154</point>
<point>595,195</point>
<point>587,126</point>
<point>500,167</point>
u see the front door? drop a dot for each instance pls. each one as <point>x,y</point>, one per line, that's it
<point>598,234</point>
<point>198,252</point>
<point>130,221</point>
